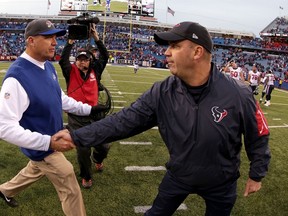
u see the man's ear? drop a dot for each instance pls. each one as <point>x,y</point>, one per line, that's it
<point>198,52</point>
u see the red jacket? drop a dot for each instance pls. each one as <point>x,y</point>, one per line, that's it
<point>83,90</point>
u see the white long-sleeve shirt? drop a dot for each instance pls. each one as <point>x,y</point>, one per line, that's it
<point>13,103</point>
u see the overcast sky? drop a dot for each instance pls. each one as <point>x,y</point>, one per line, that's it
<point>241,15</point>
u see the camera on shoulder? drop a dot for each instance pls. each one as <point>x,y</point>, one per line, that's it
<point>79,27</point>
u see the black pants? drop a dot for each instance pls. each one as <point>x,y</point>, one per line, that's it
<point>253,88</point>
<point>84,157</point>
<point>219,200</point>
<point>269,92</point>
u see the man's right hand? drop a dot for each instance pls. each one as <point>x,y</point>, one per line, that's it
<point>70,41</point>
<point>62,141</point>
<point>93,32</point>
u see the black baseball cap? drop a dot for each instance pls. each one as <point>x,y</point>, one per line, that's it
<point>84,53</point>
<point>42,27</point>
<point>92,47</point>
<point>186,31</point>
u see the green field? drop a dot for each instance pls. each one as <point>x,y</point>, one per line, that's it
<point>115,6</point>
<point>116,192</point>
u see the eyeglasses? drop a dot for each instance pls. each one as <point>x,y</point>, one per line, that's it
<point>83,60</point>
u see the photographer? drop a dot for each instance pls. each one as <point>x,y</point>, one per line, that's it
<point>83,81</point>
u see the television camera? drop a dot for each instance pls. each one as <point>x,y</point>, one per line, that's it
<point>79,27</point>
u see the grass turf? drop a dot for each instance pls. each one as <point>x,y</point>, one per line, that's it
<point>116,191</point>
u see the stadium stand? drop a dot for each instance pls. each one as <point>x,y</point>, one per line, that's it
<point>129,39</point>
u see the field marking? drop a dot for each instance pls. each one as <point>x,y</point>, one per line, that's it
<point>111,86</point>
<point>143,209</point>
<point>131,93</point>
<point>281,104</point>
<point>276,119</point>
<point>127,93</point>
<point>115,92</point>
<point>118,107</point>
<point>118,101</point>
<point>112,89</point>
<point>144,168</point>
<point>138,76</point>
<point>280,96</point>
<point>283,126</point>
<point>123,81</point>
<point>135,143</point>
<point>280,90</point>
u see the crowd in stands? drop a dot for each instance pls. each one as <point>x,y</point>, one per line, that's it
<point>126,44</point>
<point>280,26</point>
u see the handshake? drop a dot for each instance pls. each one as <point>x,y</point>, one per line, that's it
<point>61,141</point>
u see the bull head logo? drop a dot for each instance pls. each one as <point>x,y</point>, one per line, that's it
<point>218,116</point>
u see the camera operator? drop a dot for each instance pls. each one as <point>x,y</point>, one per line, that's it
<point>83,81</point>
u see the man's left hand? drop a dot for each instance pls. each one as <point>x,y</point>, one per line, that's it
<point>251,187</point>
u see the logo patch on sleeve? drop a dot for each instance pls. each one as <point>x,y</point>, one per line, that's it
<point>7,95</point>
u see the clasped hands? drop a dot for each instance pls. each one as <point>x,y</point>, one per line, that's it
<point>62,141</point>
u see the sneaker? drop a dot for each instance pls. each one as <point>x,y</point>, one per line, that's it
<point>99,167</point>
<point>267,103</point>
<point>86,183</point>
<point>9,200</point>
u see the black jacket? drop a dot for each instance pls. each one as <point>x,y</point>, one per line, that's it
<point>204,139</point>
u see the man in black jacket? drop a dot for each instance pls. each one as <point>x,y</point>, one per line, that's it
<point>195,101</point>
<point>83,84</point>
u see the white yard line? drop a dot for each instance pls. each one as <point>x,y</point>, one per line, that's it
<point>135,143</point>
<point>144,168</point>
<point>143,209</point>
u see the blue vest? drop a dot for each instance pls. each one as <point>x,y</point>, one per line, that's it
<point>44,114</point>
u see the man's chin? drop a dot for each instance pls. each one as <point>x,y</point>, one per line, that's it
<point>172,70</point>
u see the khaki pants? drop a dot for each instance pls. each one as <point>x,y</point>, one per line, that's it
<point>60,172</point>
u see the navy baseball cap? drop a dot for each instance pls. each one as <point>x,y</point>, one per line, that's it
<point>42,27</point>
<point>186,31</point>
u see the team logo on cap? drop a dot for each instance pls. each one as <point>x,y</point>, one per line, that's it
<point>194,36</point>
<point>49,24</point>
<point>177,25</point>
<point>218,116</point>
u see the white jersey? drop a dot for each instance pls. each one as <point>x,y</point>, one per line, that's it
<point>254,77</point>
<point>269,79</point>
<point>235,73</point>
<point>136,65</point>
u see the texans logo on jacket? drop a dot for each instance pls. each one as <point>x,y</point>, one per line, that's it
<point>218,116</point>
